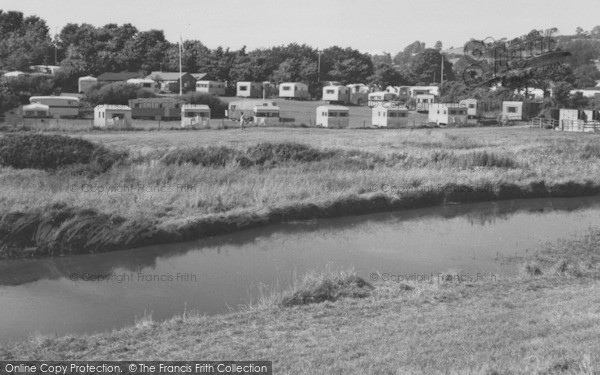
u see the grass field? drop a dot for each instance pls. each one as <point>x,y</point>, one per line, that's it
<point>347,164</point>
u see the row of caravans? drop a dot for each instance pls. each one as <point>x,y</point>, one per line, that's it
<point>120,116</point>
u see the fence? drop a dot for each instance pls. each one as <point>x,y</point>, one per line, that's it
<point>544,123</point>
<point>579,126</point>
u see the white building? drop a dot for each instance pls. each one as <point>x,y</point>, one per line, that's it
<point>195,115</point>
<point>211,87</point>
<point>294,90</point>
<point>512,111</point>
<point>84,83</point>
<point>389,117</point>
<point>333,116</point>
<point>447,113</point>
<point>109,115</point>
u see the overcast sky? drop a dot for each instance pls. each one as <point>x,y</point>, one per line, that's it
<point>369,26</point>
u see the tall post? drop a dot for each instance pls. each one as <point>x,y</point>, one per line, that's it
<point>442,76</point>
<point>180,75</point>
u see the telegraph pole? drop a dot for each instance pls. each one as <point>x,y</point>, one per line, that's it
<point>442,76</point>
<point>180,75</point>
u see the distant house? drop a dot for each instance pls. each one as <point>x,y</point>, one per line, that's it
<point>117,77</point>
<point>211,87</point>
<point>333,116</point>
<point>169,81</point>
<point>108,115</point>
<point>84,83</point>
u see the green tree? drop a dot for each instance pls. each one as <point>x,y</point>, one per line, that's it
<point>427,67</point>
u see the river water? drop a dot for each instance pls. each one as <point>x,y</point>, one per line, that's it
<point>100,292</point>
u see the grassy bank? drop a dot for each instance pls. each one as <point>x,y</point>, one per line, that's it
<point>176,186</point>
<point>544,321</point>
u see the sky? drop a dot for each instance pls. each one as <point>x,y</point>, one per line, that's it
<point>369,26</point>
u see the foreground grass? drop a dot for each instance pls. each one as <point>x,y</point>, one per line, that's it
<point>545,321</point>
<point>149,194</point>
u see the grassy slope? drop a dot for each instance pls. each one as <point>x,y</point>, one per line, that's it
<point>546,324</point>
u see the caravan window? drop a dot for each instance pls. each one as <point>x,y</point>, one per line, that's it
<point>329,91</point>
<point>286,88</point>
<point>343,114</point>
<point>511,109</point>
<point>471,105</point>
<point>243,88</point>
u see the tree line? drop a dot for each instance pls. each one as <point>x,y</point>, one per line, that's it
<point>83,49</point>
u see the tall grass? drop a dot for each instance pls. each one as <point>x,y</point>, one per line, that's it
<point>329,285</point>
<point>50,152</point>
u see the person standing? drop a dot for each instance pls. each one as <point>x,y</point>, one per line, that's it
<point>242,120</point>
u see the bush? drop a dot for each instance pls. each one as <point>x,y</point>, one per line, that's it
<point>50,152</point>
<point>274,153</point>
<point>212,156</point>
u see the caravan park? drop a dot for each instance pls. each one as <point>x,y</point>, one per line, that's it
<point>302,207</point>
